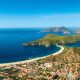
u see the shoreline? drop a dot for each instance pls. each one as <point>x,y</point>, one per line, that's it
<point>27,61</point>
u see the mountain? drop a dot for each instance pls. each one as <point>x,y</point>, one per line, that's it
<point>62,29</point>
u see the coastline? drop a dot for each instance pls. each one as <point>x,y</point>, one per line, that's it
<point>27,61</point>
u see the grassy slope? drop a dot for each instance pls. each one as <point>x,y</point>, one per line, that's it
<point>55,39</point>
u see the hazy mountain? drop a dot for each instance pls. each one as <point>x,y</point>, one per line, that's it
<point>62,29</point>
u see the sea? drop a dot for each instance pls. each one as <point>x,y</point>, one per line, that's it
<point>11,40</point>
<point>11,49</point>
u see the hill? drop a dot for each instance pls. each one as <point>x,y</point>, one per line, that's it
<point>52,39</point>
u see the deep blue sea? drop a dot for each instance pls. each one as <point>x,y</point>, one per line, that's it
<point>11,49</point>
<point>11,40</point>
<point>77,44</point>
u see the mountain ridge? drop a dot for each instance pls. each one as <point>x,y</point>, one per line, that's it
<point>61,29</point>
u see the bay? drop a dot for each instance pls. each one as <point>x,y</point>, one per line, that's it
<point>11,49</point>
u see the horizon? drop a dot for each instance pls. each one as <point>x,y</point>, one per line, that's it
<point>39,13</point>
<point>38,28</point>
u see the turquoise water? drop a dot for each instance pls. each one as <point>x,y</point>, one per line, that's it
<point>11,49</point>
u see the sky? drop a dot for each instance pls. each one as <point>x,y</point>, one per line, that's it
<point>39,13</point>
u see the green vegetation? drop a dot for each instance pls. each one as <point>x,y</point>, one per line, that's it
<point>51,39</point>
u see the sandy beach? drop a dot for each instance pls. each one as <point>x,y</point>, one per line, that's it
<point>27,61</point>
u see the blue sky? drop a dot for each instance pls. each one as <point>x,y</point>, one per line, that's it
<point>39,13</point>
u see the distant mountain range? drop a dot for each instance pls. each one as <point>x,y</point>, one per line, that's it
<point>62,29</point>
<point>77,30</point>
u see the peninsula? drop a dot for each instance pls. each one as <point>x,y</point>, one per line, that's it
<point>52,39</point>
